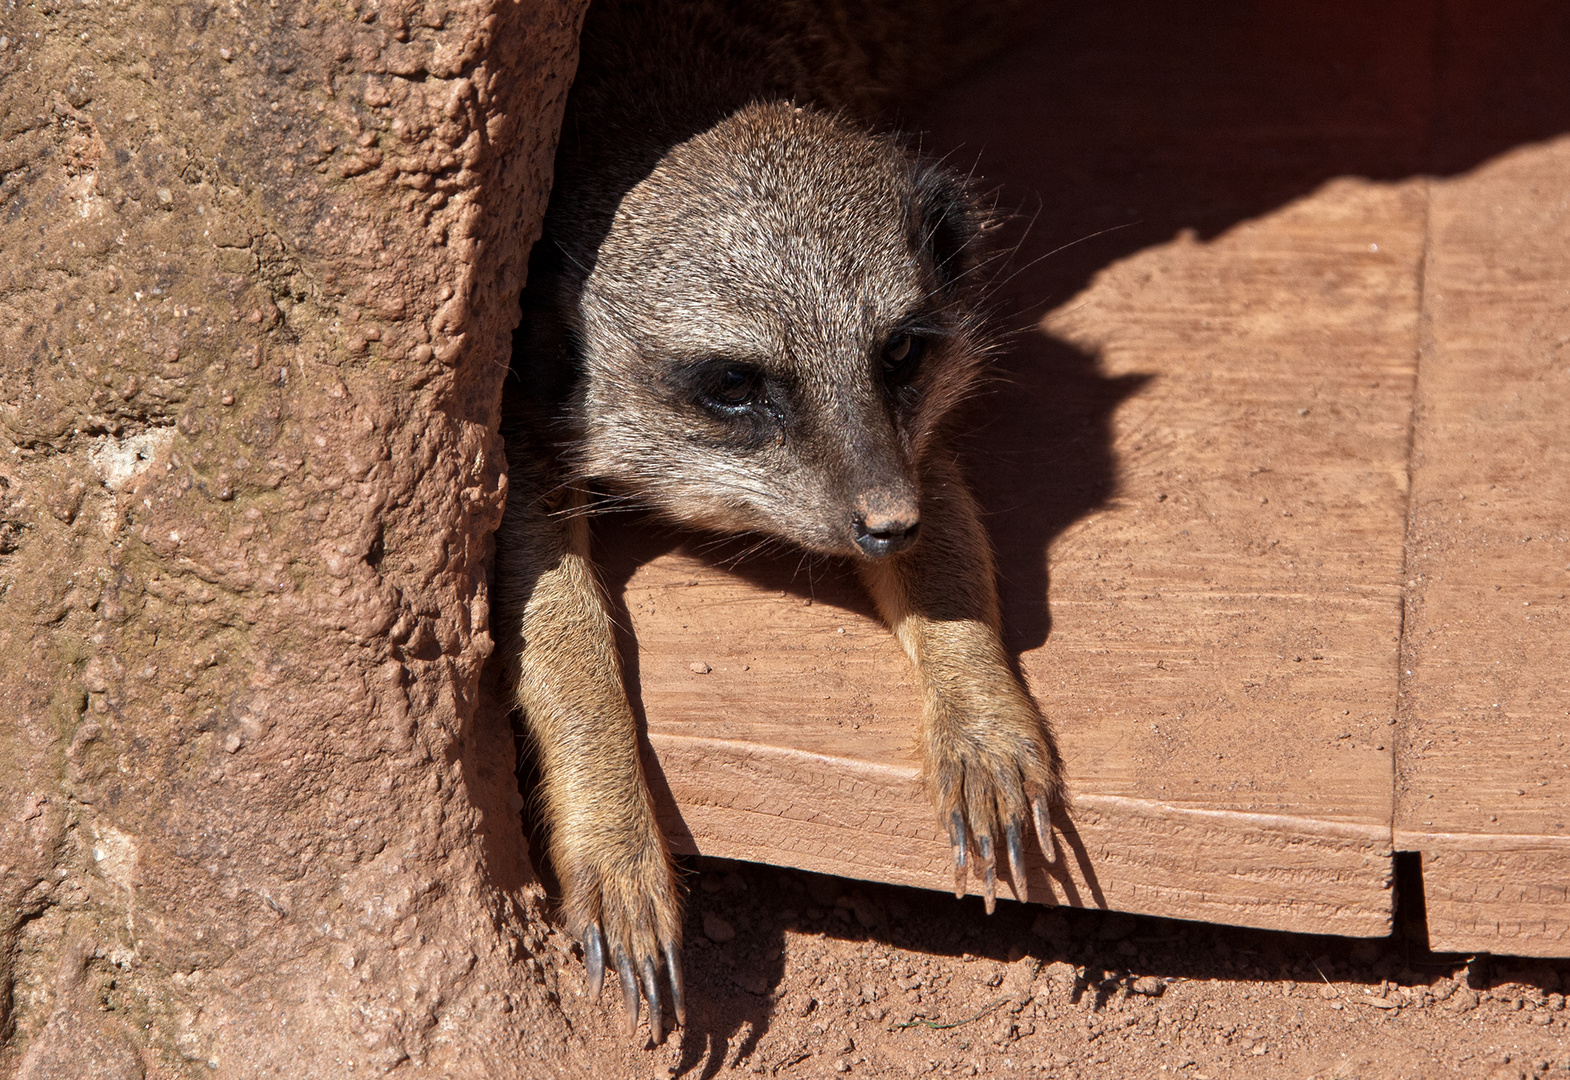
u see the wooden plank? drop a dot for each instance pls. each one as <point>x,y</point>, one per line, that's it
<point>1494,893</point>
<point>1196,482</point>
<point>853,816</point>
<point>1484,779</point>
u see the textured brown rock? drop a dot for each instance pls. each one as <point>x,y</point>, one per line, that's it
<point>261,266</point>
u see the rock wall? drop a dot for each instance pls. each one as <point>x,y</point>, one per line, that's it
<point>260,268</point>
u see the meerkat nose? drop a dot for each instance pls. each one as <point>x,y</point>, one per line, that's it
<point>880,535</point>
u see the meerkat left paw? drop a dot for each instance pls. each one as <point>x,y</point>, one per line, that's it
<point>989,778</point>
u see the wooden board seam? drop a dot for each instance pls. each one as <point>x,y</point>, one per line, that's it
<point>1478,841</point>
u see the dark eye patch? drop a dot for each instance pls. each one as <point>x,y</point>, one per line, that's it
<point>902,354</point>
<point>727,388</point>
<point>734,387</point>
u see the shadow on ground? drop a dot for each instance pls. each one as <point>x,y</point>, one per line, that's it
<point>894,960</point>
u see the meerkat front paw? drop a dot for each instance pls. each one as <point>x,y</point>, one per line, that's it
<point>622,902</point>
<point>991,770</point>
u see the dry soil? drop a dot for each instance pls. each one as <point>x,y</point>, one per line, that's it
<point>792,974</point>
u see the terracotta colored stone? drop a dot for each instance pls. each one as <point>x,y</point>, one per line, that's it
<point>261,268</point>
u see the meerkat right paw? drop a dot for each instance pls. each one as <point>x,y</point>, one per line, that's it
<point>626,911</point>
<point>991,780</point>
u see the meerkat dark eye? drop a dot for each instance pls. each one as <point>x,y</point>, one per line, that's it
<point>901,355</point>
<point>733,388</point>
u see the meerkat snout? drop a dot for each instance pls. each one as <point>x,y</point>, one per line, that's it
<point>884,525</point>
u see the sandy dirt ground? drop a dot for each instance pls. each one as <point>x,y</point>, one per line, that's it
<point>792,974</point>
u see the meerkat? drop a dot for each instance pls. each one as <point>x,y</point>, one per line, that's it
<point>752,311</point>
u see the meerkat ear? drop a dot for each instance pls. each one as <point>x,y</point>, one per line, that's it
<point>948,223</point>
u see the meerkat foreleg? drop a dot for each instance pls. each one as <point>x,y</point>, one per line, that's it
<point>990,762</point>
<point>619,890</point>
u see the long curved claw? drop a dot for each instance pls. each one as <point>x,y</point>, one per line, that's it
<point>594,960</point>
<point>989,877</point>
<point>651,990</point>
<point>629,989</point>
<point>673,966</point>
<point>957,838</point>
<point>1040,811</point>
<point>1016,846</point>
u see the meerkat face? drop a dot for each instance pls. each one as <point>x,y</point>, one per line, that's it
<point>773,329</point>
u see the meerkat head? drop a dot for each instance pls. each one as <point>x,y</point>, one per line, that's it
<point>775,326</point>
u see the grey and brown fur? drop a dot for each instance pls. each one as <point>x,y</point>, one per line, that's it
<point>753,313</point>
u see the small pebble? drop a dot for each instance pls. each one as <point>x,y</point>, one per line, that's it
<point>1150,986</point>
<point>752,981</point>
<point>717,929</point>
<point>698,667</point>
